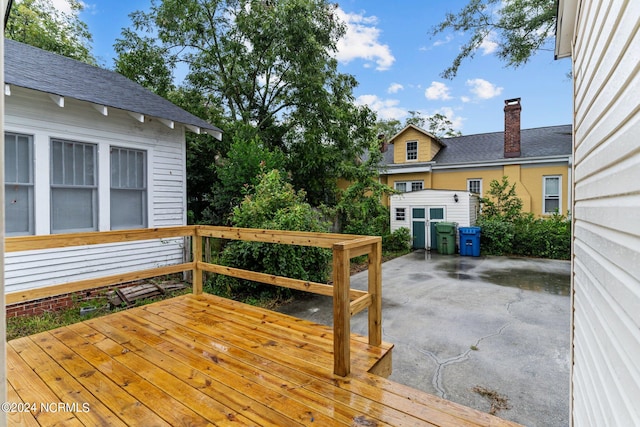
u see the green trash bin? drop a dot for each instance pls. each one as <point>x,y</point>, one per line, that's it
<point>446,237</point>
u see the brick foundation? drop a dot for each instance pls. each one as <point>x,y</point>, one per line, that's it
<point>60,302</point>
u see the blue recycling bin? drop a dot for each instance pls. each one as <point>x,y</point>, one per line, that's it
<point>469,241</point>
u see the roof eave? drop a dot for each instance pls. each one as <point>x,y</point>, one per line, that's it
<point>565,27</point>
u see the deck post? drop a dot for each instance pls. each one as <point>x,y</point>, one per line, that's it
<point>197,257</point>
<point>341,312</point>
<point>375,290</point>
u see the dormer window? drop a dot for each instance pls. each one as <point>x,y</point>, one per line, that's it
<point>412,150</point>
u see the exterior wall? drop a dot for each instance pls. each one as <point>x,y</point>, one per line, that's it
<point>606,246</point>
<point>34,113</point>
<point>425,146</point>
<point>528,180</point>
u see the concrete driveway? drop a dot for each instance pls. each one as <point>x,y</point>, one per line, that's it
<point>475,331</point>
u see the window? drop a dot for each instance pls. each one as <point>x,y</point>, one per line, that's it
<point>128,188</point>
<point>474,186</point>
<point>412,150</point>
<point>551,194</point>
<point>401,214</point>
<point>401,186</point>
<point>73,187</point>
<point>405,186</point>
<point>18,178</point>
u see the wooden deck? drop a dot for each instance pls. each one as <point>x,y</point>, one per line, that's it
<point>202,360</point>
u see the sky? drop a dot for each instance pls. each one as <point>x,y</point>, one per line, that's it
<point>390,51</point>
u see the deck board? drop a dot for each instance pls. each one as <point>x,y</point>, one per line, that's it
<point>203,360</point>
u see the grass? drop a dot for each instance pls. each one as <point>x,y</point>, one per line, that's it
<point>29,325</point>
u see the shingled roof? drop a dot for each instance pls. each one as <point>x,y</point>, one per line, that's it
<point>485,147</point>
<point>33,68</point>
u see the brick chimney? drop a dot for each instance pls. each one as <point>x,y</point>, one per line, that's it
<point>512,110</point>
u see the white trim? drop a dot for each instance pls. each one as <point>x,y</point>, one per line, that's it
<point>102,109</point>
<point>137,116</point>
<point>397,168</point>
<point>7,89</point>
<point>474,179</point>
<point>544,193</point>
<point>168,123</point>
<point>406,148</point>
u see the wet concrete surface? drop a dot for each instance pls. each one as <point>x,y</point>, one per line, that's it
<point>458,323</point>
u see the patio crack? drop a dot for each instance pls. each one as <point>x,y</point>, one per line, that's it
<point>437,380</point>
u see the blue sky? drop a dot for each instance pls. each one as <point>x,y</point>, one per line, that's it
<point>388,48</point>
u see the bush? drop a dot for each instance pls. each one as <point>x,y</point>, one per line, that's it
<point>275,205</point>
<point>398,241</point>
<point>507,231</point>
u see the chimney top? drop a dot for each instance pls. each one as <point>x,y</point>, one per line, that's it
<point>514,101</point>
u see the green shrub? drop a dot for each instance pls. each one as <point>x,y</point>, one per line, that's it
<point>496,236</point>
<point>398,241</point>
<point>275,205</point>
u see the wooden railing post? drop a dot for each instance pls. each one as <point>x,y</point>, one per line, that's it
<point>341,312</point>
<point>375,290</point>
<point>197,257</point>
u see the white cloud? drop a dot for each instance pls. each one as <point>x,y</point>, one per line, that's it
<point>465,99</point>
<point>385,108</point>
<point>436,91</point>
<point>62,5</point>
<point>395,88</point>
<point>445,41</point>
<point>483,89</point>
<point>489,45</point>
<point>361,41</point>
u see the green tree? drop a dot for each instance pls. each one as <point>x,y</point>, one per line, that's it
<point>38,23</point>
<point>518,27</point>
<point>274,205</point>
<point>268,64</point>
<point>502,201</point>
<point>437,124</point>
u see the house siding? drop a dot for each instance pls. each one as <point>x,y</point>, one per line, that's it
<point>606,259</point>
<point>34,113</point>
<point>425,146</point>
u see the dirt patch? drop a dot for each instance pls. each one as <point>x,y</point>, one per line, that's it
<point>497,401</point>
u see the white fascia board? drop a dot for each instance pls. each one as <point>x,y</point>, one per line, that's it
<point>506,162</point>
<point>194,129</point>
<point>214,133</point>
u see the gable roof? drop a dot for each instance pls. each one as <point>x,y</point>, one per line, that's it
<point>410,126</point>
<point>33,68</point>
<point>485,147</point>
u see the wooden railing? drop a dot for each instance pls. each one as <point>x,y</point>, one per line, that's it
<point>346,301</point>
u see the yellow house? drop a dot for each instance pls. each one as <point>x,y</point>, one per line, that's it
<point>537,160</point>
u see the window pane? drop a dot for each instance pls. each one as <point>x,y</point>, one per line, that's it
<point>10,164</point>
<point>551,205</point>
<point>18,209</point>
<point>23,160</point>
<point>56,163</point>
<point>128,209</point>
<point>401,186</point>
<point>552,186</point>
<point>140,170</point>
<point>416,186</point>
<point>89,165</point>
<point>72,209</point>
<point>474,186</point>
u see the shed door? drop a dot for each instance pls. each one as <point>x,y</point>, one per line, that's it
<point>418,225</point>
<point>435,215</point>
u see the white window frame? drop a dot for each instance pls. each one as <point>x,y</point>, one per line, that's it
<point>401,214</point>
<point>408,186</point>
<point>473,180</point>
<point>546,196</point>
<point>137,184</point>
<point>14,183</point>
<point>414,153</point>
<point>65,184</point>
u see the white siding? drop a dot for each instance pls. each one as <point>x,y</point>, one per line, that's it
<point>606,264</point>
<point>35,113</point>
